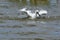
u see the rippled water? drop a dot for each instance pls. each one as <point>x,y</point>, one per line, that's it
<point>13,27</point>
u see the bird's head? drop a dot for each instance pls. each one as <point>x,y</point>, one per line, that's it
<point>36,11</point>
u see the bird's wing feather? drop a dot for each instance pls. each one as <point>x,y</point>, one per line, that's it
<point>42,12</point>
<point>31,14</point>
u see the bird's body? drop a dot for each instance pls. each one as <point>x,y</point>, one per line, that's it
<point>34,15</point>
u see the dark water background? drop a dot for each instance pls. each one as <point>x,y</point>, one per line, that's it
<point>13,27</point>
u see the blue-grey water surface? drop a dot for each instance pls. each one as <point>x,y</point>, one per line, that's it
<point>14,28</point>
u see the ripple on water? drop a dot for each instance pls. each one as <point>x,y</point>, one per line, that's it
<point>30,23</point>
<point>11,24</point>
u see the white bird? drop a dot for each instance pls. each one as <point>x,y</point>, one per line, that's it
<point>24,9</point>
<point>34,15</point>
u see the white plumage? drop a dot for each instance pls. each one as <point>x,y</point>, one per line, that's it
<point>36,14</point>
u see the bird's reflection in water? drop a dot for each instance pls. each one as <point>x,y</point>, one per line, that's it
<point>33,23</point>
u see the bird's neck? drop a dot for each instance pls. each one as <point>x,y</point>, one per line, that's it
<point>37,14</point>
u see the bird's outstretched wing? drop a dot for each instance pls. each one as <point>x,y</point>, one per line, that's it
<point>41,12</point>
<point>23,9</point>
